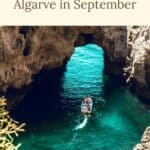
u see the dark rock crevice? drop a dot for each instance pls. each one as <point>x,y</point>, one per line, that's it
<point>41,98</point>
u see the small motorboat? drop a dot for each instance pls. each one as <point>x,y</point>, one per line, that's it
<point>86,106</point>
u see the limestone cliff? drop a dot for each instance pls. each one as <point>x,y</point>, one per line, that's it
<point>138,61</point>
<point>145,141</point>
<point>24,51</point>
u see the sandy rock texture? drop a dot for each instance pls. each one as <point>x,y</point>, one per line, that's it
<point>24,51</point>
<point>138,61</point>
<point>145,141</point>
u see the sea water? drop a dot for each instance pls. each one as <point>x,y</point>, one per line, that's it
<point>52,109</point>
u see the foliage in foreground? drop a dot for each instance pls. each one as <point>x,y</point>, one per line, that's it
<point>8,128</point>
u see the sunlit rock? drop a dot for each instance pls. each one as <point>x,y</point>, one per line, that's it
<point>145,141</point>
<point>138,62</point>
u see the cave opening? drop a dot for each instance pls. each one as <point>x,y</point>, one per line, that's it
<point>55,91</point>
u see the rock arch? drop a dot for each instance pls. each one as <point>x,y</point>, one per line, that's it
<point>50,47</point>
<point>113,40</point>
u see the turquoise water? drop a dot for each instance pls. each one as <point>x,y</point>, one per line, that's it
<point>117,122</point>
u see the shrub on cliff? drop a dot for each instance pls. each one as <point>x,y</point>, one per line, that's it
<point>8,128</point>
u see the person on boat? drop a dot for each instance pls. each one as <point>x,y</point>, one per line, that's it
<point>87,99</point>
<point>87,102</point>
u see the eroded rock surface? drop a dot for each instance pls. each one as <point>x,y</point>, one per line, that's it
<point>145,141</point>
<point>138,61</point>
<point>24,51</point>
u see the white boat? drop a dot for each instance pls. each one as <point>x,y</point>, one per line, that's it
<point>86,105</point>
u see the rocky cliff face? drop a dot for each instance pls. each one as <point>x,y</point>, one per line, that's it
<point>138,61</point>
<point>145,141</point>
<point>24,51</point>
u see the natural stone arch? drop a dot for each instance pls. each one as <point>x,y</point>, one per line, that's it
<point>50,47</point>
<point>113,41</point>
<point>24,51</point>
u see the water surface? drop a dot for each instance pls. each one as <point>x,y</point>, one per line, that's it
<point>52,109</point>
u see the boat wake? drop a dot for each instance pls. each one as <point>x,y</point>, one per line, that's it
<point>82,124</point>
